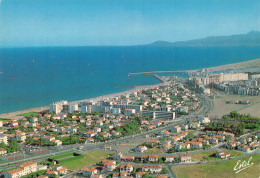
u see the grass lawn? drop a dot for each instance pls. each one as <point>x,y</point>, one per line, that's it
<point>62,156</point>
<point>90,158</point>
<point>130,145</point>
<point>210,155</point>
<point>30,114</point>
<point>154,151</point>
<point>2,119</point>
<point>221,169</point>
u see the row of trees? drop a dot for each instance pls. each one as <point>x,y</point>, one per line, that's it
<point>129,128</point>
<point>242,117</point>
<point>234,127</point>
<point>246,120</point>
<point>12,147</point>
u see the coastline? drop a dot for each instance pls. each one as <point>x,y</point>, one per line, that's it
<point>13,115</point>
<point>245,64</point>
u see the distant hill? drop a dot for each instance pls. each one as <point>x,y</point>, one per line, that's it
<point>250,39</point>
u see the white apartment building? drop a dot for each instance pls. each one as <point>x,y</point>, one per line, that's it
<point>22,170</point>
<point>3,138</point>
<point>158,114</point>
<point>57,107</point>
<point>128,106</point>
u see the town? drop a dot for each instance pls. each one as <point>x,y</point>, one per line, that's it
<point>141,133</point>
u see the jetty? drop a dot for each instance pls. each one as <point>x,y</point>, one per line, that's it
<point>159,78</point>
<point>173,71</point>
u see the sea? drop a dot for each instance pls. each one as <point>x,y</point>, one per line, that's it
<point>37,76</point>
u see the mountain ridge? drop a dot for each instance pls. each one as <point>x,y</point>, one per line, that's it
<point>249,39</point>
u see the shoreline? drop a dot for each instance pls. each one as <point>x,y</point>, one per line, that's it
<point>245,64</point>
<point>13,115</point>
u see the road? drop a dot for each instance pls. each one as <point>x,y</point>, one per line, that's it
<point>207,104</point>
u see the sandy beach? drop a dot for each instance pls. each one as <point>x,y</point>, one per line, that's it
<point>13,115</point>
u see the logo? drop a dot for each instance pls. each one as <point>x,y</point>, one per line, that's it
<point>243,165</point>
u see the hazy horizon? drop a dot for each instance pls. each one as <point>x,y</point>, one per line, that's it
<point>46,23</point>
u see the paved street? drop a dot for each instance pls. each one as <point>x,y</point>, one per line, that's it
<point>207,104</point>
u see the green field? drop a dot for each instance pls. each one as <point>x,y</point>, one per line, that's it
<point>221,169</point>
<point>5,120</point>
<point>62,156</point>
<point>30,114</point>
<point>154,151</point>
<point>66,157</point>
<point>90,158</point>
<point>210,155</point>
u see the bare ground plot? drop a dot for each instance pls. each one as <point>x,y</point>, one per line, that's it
<point>130,145</point>
<point>154,151</point>
<point>253,110</point>
<point>211,155</point>
<point>220,107</point>
<point>15,114</point>
<point>251,63</point>
<point>220,169</point>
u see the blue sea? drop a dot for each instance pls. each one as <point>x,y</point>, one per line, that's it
<point>33,77</point>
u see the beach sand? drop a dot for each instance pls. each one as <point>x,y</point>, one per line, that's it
<point>13,115</point>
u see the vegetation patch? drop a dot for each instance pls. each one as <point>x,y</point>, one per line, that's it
<point>89,158</point>
<point>219,169</point>
<point>30,114</point>
<point>34,174</point>
<point>211,155</point>
<point>154,151</point>
<point>67,157</point>
<point>242,122</point>
<point>5,120</point>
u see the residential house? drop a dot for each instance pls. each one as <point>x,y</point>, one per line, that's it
<point>128,168</point>
<point>204,120</point>
<point>89,171</point>
<point>169,158</point>
<point>184,127</point>
<point>108,165</point>
<point>140,148</point>
<point>194,125</point>
<point>115,133</point>
<point>222,154</point>
<point>149,158</point>
<point>22,170</point>
<point>117,156</point>
<point>196,145</point>
<point>127,158</point>
<point>232,145</point>
<point>220,138</point>
<point>96,176</point>
<point>61,170</point>
<point>176,129</point>
<point>243,147</point>
<point>139,174</point>
<point>51,173</point>
<point>3,138</point>
<point>152,169</point>
<point>182,145</point>
<point>185,158</point>
<point>90,140</point>
<point>3,151</point>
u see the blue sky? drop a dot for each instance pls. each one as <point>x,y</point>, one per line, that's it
<point>121,22</point>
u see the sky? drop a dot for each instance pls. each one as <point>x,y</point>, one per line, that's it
<point>121,22</point>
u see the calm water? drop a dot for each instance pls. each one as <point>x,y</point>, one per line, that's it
<point>34,77</point>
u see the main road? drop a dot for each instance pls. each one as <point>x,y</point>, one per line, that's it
<point>206,106</point>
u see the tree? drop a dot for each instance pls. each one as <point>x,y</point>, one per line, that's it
<point>146,175</point>
<point>164,171</point>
